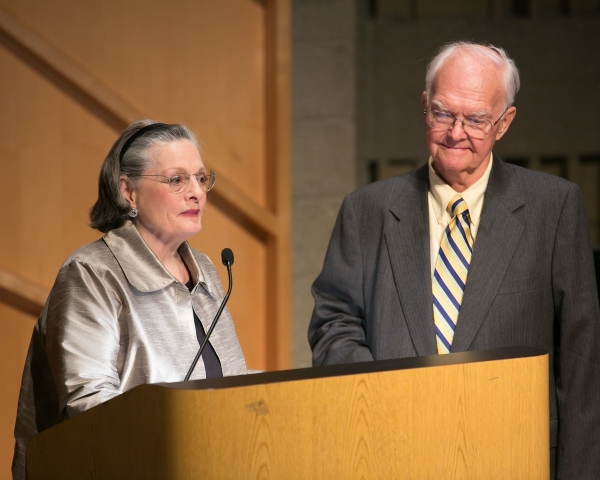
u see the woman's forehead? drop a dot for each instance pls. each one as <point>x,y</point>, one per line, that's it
<point>179,154</point>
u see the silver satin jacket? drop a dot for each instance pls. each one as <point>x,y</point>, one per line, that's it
<point>116,318</point>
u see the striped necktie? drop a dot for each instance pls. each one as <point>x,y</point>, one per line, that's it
<point>450,274</point>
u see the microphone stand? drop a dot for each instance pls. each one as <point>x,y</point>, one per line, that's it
<point>213,324</point>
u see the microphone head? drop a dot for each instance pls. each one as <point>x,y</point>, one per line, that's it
<point>227,257</point>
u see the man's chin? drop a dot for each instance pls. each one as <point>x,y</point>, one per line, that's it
<point>455,162</point>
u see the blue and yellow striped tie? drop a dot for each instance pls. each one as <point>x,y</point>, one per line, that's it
<point>450,274</point>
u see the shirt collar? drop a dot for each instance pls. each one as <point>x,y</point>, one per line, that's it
<point>139,264</point>
<point>441,193</point>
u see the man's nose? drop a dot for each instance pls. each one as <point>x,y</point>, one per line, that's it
<point>457,130</point>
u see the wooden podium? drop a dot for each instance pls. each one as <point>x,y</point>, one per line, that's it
<point>477,415</point>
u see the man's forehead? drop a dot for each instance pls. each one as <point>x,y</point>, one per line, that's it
<point>464,77</point>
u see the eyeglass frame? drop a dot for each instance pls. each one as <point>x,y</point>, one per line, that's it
<point>462,121</point>
<point>186,183</point>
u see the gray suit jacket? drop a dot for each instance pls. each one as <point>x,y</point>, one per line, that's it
<point>531,283</point>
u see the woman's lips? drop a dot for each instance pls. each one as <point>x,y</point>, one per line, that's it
<point>192,212</point>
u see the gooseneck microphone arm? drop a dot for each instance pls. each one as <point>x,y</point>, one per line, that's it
<point>227,259</point>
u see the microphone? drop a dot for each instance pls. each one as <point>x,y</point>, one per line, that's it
<point>227,259</point>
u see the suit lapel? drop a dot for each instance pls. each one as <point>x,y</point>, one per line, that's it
<point>498,235</point>
<point>407,241</point>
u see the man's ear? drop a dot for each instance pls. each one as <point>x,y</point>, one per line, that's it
<point>127,190</point>
<point>507,119</point>
<point>424,100</point>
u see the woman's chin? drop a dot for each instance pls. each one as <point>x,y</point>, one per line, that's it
<point>194,227</point>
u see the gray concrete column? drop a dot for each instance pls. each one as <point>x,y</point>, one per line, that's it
<point>323,142</point>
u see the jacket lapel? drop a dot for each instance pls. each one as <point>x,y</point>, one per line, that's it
<point>407,241</point>
<point>498,235</point>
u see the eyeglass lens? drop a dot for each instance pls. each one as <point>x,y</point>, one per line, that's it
<point>445,121</point>
<point>179,182</point>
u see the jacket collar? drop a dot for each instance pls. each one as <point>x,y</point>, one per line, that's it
<point>139,264</point>
<point>408,243</point>
<point>499,235</point>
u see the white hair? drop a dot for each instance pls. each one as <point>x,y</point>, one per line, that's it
<point>489,52</point>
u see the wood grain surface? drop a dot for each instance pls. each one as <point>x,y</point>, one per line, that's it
<point>485,420</point>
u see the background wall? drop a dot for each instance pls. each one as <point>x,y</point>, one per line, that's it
<point>556,127</point>
<point>72,76</point>
<point>323,140</point>
<point>361,65</point>
<point>358,69</point>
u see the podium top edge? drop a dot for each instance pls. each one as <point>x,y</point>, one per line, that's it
<point>312,373</point>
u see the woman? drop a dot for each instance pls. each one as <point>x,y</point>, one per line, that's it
<point>132,307</point>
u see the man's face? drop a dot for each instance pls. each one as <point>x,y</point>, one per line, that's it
<point>466,87</point>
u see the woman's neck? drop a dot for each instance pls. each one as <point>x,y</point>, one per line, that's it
<point>168,255</point>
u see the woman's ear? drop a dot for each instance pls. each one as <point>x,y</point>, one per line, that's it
<point>127,190</point>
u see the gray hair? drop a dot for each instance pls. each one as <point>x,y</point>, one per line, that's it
<point>486,51</point>
<point>111,210</point>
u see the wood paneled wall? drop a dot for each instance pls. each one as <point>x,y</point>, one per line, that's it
<point>72,76</point>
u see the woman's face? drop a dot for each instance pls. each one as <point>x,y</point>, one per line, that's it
<point>165,217</point>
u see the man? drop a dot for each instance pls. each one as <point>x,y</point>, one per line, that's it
<point>469,253</point>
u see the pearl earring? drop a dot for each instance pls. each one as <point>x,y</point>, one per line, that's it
<point>133,212</point>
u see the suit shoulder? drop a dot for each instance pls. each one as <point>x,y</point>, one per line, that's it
<point>372,203</point>
<point>382,191</point>
<point>536,182</point>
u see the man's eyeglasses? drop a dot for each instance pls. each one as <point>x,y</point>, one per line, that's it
<point>475,127</point>
<point>179,182</point>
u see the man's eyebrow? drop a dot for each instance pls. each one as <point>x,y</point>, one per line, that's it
<point>480,113</point>
<point>438,104</point>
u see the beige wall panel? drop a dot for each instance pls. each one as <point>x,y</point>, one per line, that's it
<point>203,63</point>
<point>247,303</point>
<point>200,63</point>
<point>16,331</point>
<point>51,155</point>
<point>51,151</point>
